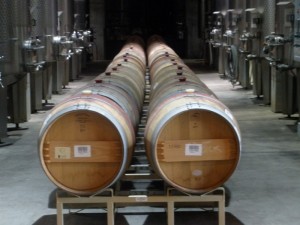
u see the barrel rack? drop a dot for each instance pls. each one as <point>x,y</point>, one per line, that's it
<point>143,200</point>
<point>138,194</point>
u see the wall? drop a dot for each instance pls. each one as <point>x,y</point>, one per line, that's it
<point>195,43</point>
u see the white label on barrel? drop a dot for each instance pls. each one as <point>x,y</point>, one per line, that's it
<point>82,151</point>
<point>62,152</point>
<point>193,150</point>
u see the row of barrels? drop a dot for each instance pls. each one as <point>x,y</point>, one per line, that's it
<point>86,141</point>
<point>192,140</point>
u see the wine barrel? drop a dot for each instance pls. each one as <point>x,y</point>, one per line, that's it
<point>170,77</point>
<point>128,85</point>
<point>116,94</point>
<point>157,50</point>
<point>133,73</point>
<point>192,140</point>
<point>86,142</point>
<point>133,50</point>
<point>159,54</point>
<point>164,61</point>
<point>129,61</point>
<point>134,58</point>
<point>171,87</point>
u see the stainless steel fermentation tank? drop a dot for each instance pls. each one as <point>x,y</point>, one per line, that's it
<point>34,62</point>
<point>70,44</point>
<point>230,45</point>
<point>28,46</point>
<point>82,36</point>
<point>289,84</point>
<point>63,53</point>
<point>81,23</point>
<point>279,52</point>
<point>249,51</point>
<point>77,49</point>
<point>216,41</point>
<point>73,20</point>
<point>5,56</point>
<point>34,54</point>
<point>15,96</point>
<point>53,26</point>
<point>296,55</point>
<point>84,48</point>
<point>268,26</point>
<point>50,31</point>
<point>63,45</point>
<point>40,56</point>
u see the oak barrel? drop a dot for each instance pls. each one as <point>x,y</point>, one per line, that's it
<point>86,142</point>
<point>192,140</point>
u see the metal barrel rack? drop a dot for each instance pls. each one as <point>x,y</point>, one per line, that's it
<point>110,202</point>
<point>141,186</point>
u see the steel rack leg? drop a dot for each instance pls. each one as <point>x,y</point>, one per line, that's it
<point>171,217</point>
<point>110,213</point>
<point>221,211</point>
<point>59,216</point>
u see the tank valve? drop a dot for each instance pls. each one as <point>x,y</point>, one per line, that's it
<point>38,67</point>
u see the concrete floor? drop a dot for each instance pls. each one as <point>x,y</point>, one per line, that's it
<point>265,188</point>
